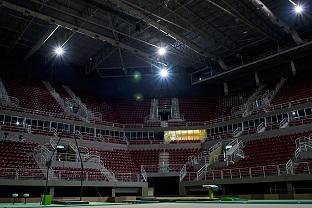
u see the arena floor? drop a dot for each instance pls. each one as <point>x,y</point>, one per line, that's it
<point>237,204</point>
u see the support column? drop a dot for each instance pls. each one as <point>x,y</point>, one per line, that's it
<point>290,188</point>
<point>113,191</point>
<point>51,192</point>
<point>223,189</point>
<point>146,190</point>
<point>225,88</point>
<point>257,79</point>
<point>293,68</point>
<point>182,190</point>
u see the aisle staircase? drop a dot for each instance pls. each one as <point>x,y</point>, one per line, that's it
<point>175,110</point>
<point>43,153</point>
<point>5,99</point>
<point>164,162</point>
<point>83,110</point>
<point>202,160</point>
<point>153,115</point>
<point>303,151</point>
<point>265,99</point>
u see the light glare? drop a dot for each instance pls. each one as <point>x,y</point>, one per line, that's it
<point>59,51</point>
<point>162,51</point>
<point>298,9</point>
<point>164,73</point>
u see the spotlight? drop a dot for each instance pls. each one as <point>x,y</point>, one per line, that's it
<point>298,9</point>
<point>162,51</point>
<point>164,73</point>
<point>59,51</point>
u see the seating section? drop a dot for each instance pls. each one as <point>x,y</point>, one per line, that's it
<point>132,111</point>
<point>118,161</point>
<point>16,159</point>
<point>97,104</point>
<point>197,109</point>
<point>295,88</point>
<point>209,108</point>
<point>178,157</point>
<point>145,158</point>
<point>271,151</point>
<point>32,95</point>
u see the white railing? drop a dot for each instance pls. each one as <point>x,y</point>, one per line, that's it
<point>108,174</point>
<point>215,146</point>
<point>248,172</point>
<point>289,167</point>
<point>159,169</point>
<point>152,124</point>
<point>252,172</point>
<point>237,132</point>
<point>183,173</point>
<point>193,160</point>
<point>143,173</point>
<point>302,144</point>
<point>235,151</point>
<point>284,123</point>
<point>9,100</point>
<point>261,127</point>
<point>201,171</point>
<point>129,177</point>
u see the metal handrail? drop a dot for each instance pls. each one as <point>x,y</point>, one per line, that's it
<point>157,168</point>
<point>63,174</point>
<point>136,125</point>
<point>251,172</point>
<point>260,126</point>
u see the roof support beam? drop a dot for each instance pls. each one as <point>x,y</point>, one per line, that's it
<point>42,40</point>
<point>228,43</point>
<point>237,14</point>
<point>106,53</point>
<point>117,39</point>
<point>137,12</point>
<point>86,32</point>
<point>275,20</point>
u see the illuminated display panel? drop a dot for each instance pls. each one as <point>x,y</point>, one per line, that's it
<point>185,135</point>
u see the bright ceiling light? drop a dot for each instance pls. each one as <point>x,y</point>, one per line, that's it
<point>298,9</point>
<point>162,51</point>
<point>59,51</point>
<point>164,73</point>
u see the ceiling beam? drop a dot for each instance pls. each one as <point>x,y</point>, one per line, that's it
<point>228,43</point>
<point>106,52</point>
<point>81,30</point>
<point>108,9</point>
<point>137,12</point>
<point>117,39</point>
<point>78,18</point>
<point>276,21</point>
<point>42,40</point>
<point>237,15</point>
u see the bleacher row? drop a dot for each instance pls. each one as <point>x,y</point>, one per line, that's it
<point>17,156</point>
<point>262,155</point>
<point>34,95</point>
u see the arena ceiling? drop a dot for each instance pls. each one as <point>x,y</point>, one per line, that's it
<point>106,35</point>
